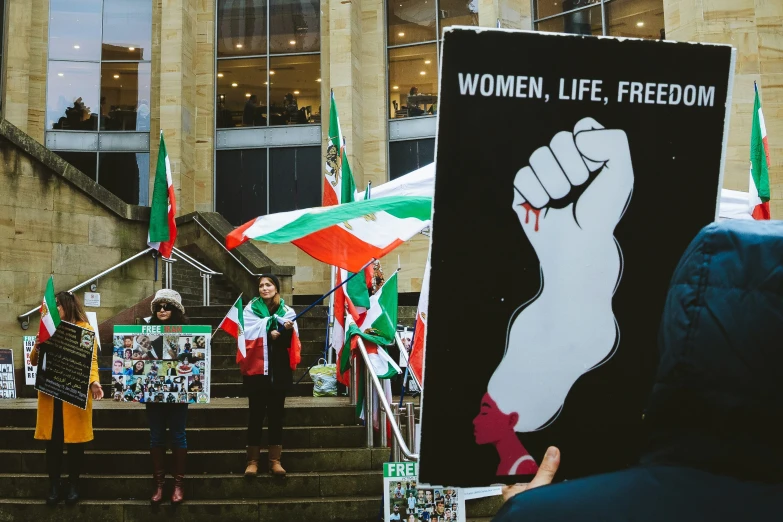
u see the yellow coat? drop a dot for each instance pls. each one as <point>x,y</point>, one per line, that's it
<point>77,423</point>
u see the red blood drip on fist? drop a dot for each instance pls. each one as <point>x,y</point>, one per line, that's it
<point>536,211</point>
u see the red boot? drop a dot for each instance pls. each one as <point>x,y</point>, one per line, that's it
<point>158,473</point>
<point>180,460</point>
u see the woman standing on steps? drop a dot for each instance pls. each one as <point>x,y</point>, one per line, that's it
<point>273,351</point>
<point>167,309</point>
<point>59,423</point>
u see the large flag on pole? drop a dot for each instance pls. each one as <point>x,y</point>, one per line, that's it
<point>759,164</point>
<point>234,325</point>
<point>163,227</point>
<point>346,235</point>
<point>416,361</point>
<point>50,316</point>
<point>338,180</point>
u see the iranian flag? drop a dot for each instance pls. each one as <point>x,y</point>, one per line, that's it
<point>255,359</point>
<point>163,228</point>
<point>50,316</point>
<point>759,164</point>
<point>416,362</point>
<point>346,235</point>
<point>338,179</point>
<point>234,325</point>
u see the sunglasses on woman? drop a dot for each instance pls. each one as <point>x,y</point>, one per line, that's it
<point>165,307</point>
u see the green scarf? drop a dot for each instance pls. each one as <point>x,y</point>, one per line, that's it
<point>259,308</point>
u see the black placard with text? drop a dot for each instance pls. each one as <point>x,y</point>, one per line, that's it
<point>64,364</point>
<point>571,174</point>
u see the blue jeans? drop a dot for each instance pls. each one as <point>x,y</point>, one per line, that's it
<point>171,416</point>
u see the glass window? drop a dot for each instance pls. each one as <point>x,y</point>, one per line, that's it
<point>294,178</point>
<point>126,174</point>
<point>457,12</point>
<point>545,8</point>
<point>294,26</point>
<point>241,93</point>
<point>241,29</point>
<point>410,21</point>
<point>125,96</point>
<point>637,18</point>
<point>586,21</point>
<point>127,30</point>
<point>407,156</point>
<point>75,29</point>
<point>294,90</point>
<point>413,80</point>
<point>241,184</point>
<point>73,101</point>
<point>87,162</point>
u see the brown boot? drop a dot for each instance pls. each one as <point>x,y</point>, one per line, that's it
<point>180,460</point>
<point>252,461</point>
<point>158,473</point>
<point>274,460</point>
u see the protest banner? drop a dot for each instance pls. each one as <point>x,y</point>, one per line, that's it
<point>7,378</point>
<point>29,368</point>
<point>404,499</point>
<point>64,363</point>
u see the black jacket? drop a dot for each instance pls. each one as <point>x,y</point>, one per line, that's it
<point>715,414</point>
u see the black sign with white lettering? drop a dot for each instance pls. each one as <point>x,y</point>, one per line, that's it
<point>572,172</point>
<point>64,364</point>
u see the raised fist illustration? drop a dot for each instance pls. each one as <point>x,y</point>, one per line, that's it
<point>569,199</point>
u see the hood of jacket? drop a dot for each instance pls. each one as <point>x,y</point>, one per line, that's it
<point>717,401</point>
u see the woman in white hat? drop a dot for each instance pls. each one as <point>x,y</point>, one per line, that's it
<point>167,309</point>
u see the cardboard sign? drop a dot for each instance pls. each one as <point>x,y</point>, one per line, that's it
<point>7,378</point>
<point>29,368</point>
<point>64,364</point>
<point>161,364</point>
<point>572,173</point>
<point>406,501</point>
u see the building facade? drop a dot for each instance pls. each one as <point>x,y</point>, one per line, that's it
<point>241,88</point>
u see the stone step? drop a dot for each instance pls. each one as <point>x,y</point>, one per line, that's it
<point>231,390</point>
<point>133,483</point>
<point>200,438</point>
<point>206,461</point>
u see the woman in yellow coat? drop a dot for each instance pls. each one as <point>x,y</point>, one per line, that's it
<point>60,423</point>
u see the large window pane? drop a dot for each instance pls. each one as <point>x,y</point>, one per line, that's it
<point>241,27</point>
<point>125,96</point>
<point>241,184</point>
<point>295,93</point>
<point>635,18</point>
<point>87,162</point>
<point>413,80</point>
<point>241,93</point>
<point>586,21</point>
<point>294,26</point>
<point>126,174</point>
<point>75,29</point>
<point>407,156</point>
<point>410,21</point>
<point>546,8</point>
<point>457,12</point>
<point>127,30</point>
<point>294,178</point>
<point>72,96</point>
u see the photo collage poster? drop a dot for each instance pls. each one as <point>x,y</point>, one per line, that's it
<point>161,363</point>
<point>407,501</point>
<point>7,380</point>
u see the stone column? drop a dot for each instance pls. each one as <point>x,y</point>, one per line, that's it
<point>513,14</point>
<point>374,85</point>
<point>754,28</point>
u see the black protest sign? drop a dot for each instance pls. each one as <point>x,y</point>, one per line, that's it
<point>572,172</point>
<point>7,378</point>
<point>64,364</point>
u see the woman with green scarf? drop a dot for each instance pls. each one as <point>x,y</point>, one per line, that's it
<point>272,353</point>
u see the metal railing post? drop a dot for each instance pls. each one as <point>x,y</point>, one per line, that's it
<point>168,263</point>
<point>352,391</point>
<point>368,405</point>
<point>205,281</point>
<point>410,424</point>
<point>384,435</point>
<point>395,445</point>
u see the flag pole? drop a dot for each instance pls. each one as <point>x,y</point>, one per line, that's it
<point>330,292</point>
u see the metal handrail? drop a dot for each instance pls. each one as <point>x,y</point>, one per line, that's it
<point>224,248</point>
<point>195,263</point>
<point>24,323</point>
<point>385,405</point>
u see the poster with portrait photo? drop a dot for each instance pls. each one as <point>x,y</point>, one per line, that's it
<point>404,499</point>
<point>7,376</point>
<point>579,168</point>
<point>161,364</point>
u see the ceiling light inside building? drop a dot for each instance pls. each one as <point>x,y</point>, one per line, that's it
<point>427,62</point>
<point>422,73</point>
<point>247,95</point>
<point>395,87</point>
<point>234,85</point>
<point>131,48</point>
<point>639,24</point>
<point>220,75</point>
<point>271,72</point>
<point>239,46</point>
<point>292,42</point>
<point>400,34</point>
<point>76,47</point>
<point>296,92</point>
<point>60,74</point>
<point>116,76</point>
<point>318,79</point>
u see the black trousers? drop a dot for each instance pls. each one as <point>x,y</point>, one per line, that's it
<point>54,449</point>
<point>264,401</point>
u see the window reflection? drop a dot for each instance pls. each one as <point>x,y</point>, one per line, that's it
<point>637,18</point>
<point>241,184</point>
<point>294,92</point>
<point>241,27</point>
<point>294,178</point>
<point>407,156</point>
<point>545,8</point>
<point>72,94</point>
<point>241,93</point>
<point>87,162</point>
<point>586,22</point>
<point>410,21</point>
<point>125,174</point>
<point>413,81</point>
<point>294,26</point>
<point>125,96</point>
<point>75,29</point>
<point>127,30</point>
<point>457,12</point>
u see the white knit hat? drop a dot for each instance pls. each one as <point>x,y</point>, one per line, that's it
<point>165,295</point>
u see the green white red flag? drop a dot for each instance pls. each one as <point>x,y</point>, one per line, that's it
<point>759,164</point>
<point>163,228</point>
<point>346,235</point>
<point>255,359</point>
<point>234,325</point>
<point>339,186</point>
<point>50,316</point>
<point>416,360</point>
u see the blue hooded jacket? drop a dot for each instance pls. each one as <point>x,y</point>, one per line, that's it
<point>715,414</point>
